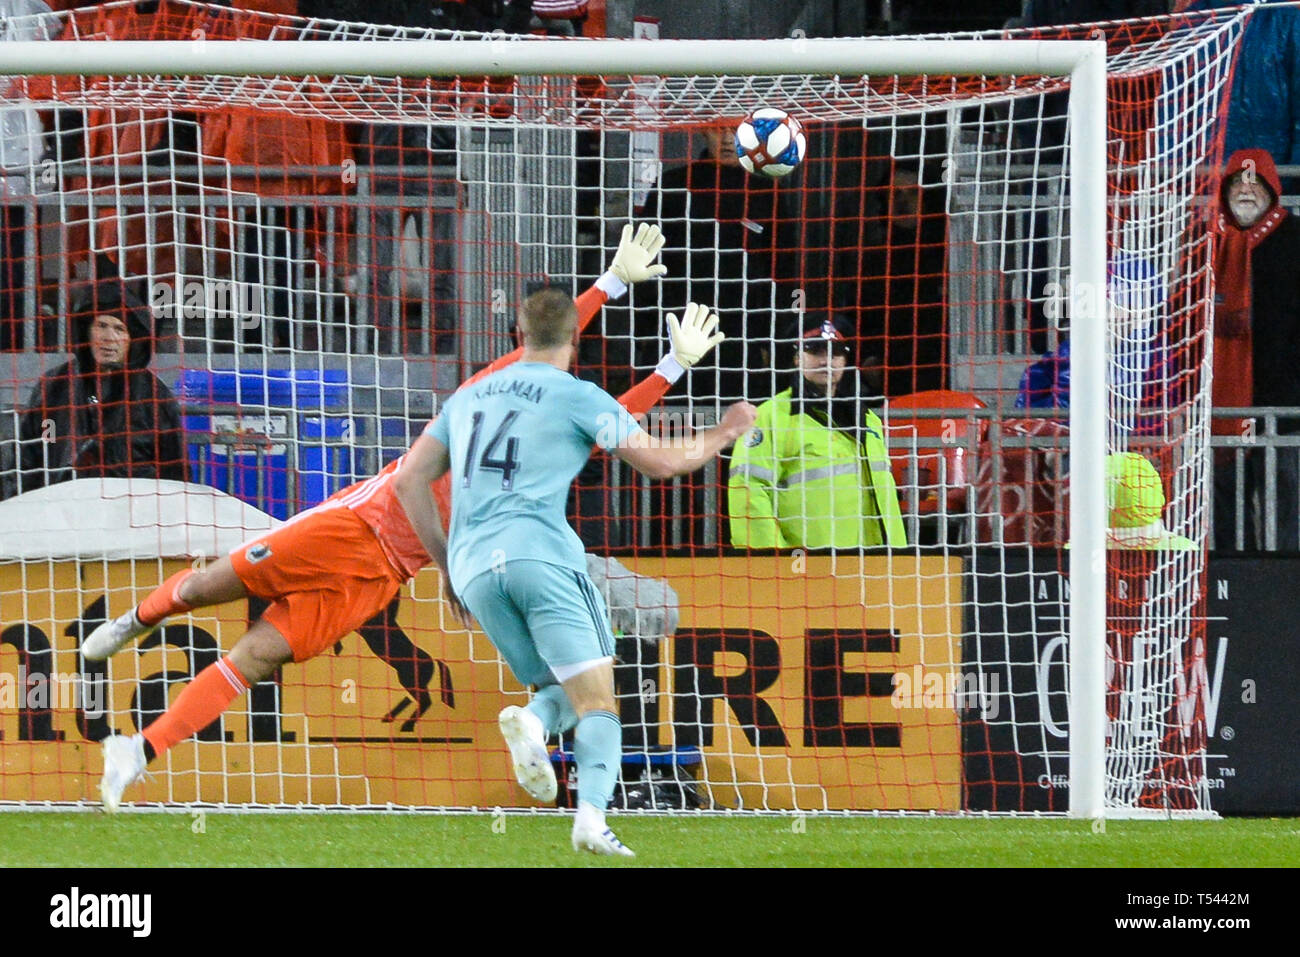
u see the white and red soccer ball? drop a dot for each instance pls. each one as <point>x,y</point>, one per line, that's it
<point>770,142</point>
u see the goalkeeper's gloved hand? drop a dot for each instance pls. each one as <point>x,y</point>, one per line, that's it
<point>632,262</point>
<point>692,338</point>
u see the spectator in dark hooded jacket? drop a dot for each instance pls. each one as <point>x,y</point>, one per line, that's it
<point>103,413</point>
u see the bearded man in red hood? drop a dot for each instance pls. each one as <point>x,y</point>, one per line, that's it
<point>1256,331</point>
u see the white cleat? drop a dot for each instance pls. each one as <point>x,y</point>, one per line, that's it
<point>602,841</point>
<point>123,765</point>
<point>527,742</point>
<point>105,640</point>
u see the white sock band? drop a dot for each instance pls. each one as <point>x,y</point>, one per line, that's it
<point>565,672</point>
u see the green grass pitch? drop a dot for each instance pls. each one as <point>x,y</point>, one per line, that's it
<point>390,840</point>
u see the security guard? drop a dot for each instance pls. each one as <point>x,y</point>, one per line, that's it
<point>814,470</point>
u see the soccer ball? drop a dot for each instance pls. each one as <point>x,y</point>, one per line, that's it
<point>770,142</point>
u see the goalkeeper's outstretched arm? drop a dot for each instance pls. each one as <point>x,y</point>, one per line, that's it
<point>633,262</point>
<point>692,338</point>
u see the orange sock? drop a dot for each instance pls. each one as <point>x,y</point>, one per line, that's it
<point>164,600</point>
<point>201,703</point>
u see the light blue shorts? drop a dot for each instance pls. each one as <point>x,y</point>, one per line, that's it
<point>540,616</point>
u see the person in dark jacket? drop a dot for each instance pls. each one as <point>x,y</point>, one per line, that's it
<point>103,413</point>
<point>1256,331</point>
<point>903,285</point>
<point>724,246</point>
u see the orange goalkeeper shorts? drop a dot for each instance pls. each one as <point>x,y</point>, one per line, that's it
<point>324,574</point>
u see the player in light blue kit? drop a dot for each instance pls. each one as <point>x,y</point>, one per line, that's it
<point>514,442</point>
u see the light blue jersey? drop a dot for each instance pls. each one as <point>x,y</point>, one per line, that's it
<point>517,440</point>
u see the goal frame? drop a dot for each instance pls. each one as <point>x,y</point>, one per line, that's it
<point>1082,61</point>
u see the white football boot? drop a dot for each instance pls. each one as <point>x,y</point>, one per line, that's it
<point>593,835</point>
<point>105,640</point>
<point>526,739</point>
<point>124,764</point>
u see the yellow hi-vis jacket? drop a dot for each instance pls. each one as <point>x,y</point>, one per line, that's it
<point>795,482</point>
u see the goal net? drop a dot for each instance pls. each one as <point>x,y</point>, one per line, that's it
<point>300,268</point>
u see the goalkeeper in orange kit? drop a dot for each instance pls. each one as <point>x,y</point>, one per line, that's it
<point>329,570</point>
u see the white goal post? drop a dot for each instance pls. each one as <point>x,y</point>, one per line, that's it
<point>1084,62</point>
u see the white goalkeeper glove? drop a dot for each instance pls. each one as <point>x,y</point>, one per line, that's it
<point>638,605</point>
<point>632,262</point>
<point>692,338</point>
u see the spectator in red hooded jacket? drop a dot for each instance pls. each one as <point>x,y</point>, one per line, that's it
<point>1256,332</point>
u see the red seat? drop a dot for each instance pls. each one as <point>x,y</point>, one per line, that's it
<point>942,448</point>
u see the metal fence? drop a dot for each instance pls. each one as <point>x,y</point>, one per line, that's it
<point>1250,502</point>
<point>259,458</point>
<point>963,488</point>
<point>1254,480</point>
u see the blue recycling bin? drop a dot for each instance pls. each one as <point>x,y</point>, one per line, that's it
<point>327,457</point>
<point>396,435</point>
<point>253,461</point>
